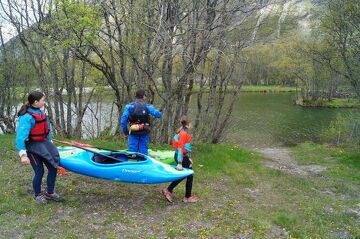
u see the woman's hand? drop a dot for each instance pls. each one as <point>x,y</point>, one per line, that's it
<point>25,160</point>
<point>179,167</point>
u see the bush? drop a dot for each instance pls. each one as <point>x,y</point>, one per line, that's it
<point>344,129</point>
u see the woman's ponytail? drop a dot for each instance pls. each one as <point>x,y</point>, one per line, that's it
<point>184,121</point>
<point>23,108</point>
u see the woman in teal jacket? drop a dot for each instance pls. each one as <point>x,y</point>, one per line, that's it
<point>33,141</point>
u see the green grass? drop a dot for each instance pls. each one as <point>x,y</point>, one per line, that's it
<point>338,103</point>
<point>239,198</point>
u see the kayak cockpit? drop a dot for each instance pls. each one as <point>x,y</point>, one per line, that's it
<point>114,158</point>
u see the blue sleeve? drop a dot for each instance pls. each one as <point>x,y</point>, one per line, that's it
<point>124,120</point>
<point>154,112</point>
<point>179,156</point>
<point>25,124</point>
<point>187,146</point>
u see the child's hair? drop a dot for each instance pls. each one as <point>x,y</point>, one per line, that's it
<point>184,121</point>
<point>32,97</point>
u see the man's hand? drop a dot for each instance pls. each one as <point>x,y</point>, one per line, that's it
<point>25,160</point>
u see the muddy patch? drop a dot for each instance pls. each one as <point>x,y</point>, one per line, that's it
<point>280,159</point>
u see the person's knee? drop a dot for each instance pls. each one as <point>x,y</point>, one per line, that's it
<point>133,147</point>
<point>53,171</point>
<point>38,176</point>
<point>39,173</point>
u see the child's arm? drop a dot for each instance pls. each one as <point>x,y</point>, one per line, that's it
<point>24,126</point>
<point>183,146</point>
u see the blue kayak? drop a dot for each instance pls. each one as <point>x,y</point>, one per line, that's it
<point>119,166</point>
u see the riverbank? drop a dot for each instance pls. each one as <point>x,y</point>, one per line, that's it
<point>267,88</point>
<point>321,103</point>
<point>240,197</point>
<point>334,103</point>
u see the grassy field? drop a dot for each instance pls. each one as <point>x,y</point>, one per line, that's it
<point>239,198</point>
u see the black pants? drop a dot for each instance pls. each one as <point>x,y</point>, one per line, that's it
<point>189,179</point>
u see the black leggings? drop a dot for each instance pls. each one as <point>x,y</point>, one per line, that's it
<point>189,179</point>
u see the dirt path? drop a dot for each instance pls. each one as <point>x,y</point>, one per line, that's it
<point>280,159</point>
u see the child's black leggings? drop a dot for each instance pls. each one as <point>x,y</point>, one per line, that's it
<point>189,179</point>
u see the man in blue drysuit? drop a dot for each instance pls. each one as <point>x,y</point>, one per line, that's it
<point>137,116</point>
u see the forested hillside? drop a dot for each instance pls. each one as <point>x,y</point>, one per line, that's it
<point>308,44</point>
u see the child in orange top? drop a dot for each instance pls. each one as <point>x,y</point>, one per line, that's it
<point>182,146</point>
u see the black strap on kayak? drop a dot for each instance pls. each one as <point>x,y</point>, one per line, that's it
<point>111,150</point>
<point>104,155</point>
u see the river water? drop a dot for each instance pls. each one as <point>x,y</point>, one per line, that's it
<point>270,119</point>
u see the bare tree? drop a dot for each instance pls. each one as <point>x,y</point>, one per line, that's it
<point>55,67</point>
<point>8,85</point>
<point>340,26</point>
<point>172,48</point>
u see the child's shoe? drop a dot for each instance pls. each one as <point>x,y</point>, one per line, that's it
<point>167,194</point>
<point>54,196</point>
<point>192,198</point>
<point>40,199</point>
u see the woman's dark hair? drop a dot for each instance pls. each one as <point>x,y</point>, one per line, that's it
<point>184,121</point>
<point>32,97</point>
